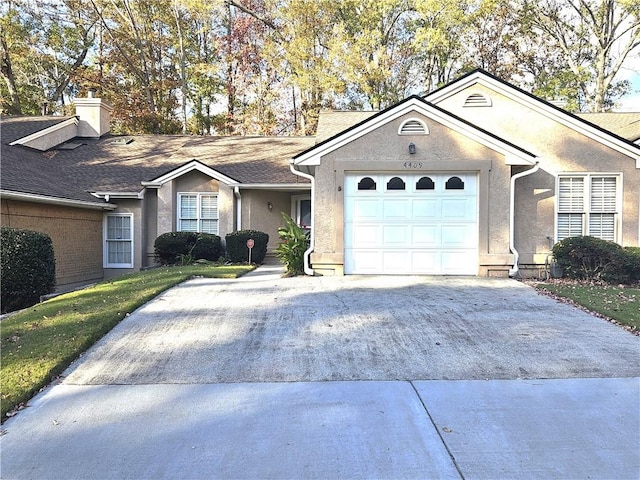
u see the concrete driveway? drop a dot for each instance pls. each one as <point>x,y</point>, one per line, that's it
<point>353,377</point>
<point>269,329</point>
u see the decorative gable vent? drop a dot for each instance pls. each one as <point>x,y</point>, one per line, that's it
<point>413,126</point>
<point>477,100</point>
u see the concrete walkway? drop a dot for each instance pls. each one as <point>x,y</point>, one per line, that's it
<point>359,377</point>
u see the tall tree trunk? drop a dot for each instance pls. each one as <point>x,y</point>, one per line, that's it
<point>183,69</point>
<point>231,92</point>
<point>6,70</point>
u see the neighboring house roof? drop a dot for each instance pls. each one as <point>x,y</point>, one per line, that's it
<point>624,124</point>
<point>332,122</point>
<point>112,165</point>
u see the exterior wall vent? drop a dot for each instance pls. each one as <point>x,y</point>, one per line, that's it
<point>413,126</point>
<point>477,100</point>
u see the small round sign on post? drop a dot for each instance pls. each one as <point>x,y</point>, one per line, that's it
<point>250,244</point>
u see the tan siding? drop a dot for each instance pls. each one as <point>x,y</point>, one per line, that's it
<point>76,235</point>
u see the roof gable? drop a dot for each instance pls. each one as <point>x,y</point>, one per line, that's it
<point>557,114</point>
<point>191,166</point>
<point>51,136</point>
<point>414,104</point>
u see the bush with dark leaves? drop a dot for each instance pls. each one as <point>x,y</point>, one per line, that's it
<point>592,259</point>
<point>28,267</point>
<point>237,250</point>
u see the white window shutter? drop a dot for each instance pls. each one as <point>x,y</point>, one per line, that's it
<point>602,225</point>
<point>603,194</point>
<point>571,194</point>
<point>569,225</point>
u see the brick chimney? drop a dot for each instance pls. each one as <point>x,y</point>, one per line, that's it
<point>94,115</point>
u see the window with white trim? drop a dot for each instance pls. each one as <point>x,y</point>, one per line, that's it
<point>302,210</point>
<point>198,212</point>
<point>118,233</point>
<point>588,205</point>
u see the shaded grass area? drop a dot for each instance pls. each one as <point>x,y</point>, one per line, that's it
<point>620,304</point>
<point>38,343</point>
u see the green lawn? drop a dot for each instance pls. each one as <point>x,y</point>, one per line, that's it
<point>38,343</point>
<point>621,304</point>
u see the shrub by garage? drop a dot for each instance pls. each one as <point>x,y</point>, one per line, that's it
<point>237,250</point>
<point>593,259</point>
<point>28,267</point>
<point>185,247</point>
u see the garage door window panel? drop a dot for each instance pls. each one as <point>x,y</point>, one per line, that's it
<point>425,183</point>
<point>367,183</point>
<point>454,183</point>
<point>396,183</point>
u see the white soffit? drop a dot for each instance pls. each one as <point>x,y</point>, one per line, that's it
<point>537,105</point>
<point>513,155</point>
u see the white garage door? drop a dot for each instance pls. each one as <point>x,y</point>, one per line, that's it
<point>411,224</point>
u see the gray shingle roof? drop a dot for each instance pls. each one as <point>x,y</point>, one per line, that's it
<point>15,127</point>
<point>332,122</point>
<point>623,124</point>
<point>102,165</point>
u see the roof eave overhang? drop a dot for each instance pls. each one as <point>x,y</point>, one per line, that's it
<point>109,195</point>
<point>272,186</point>
<point>541,106</point>
<point>35,198</point>
<point>513,155</point>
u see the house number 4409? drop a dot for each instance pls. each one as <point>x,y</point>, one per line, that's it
<point>412,164</point>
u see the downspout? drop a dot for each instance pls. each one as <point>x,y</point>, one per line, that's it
<point>236,192</point>
<point>512,214</point>
<point>307,267</point>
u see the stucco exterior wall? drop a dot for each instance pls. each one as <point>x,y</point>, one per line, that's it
<point>161,207</point>
<point>167,198</point>
<point>560,149</point>
<point>226,211</point>
<point>256,214</point>
<point>76,234</point>
<point>442,150</point>
<point>150,226</point>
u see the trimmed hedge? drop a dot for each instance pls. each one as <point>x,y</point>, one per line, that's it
<point>589,258</point>
<point>176,247</point>
<point>237,250</point>
<point>632,259</point>
<point>28,268</point>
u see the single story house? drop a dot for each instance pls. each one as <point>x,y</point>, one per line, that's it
<point>476,178</point>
